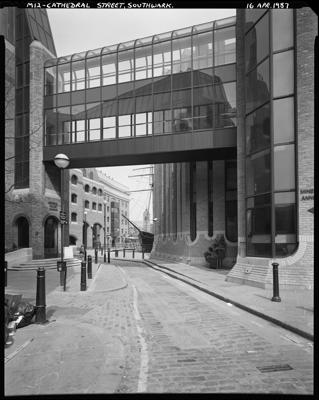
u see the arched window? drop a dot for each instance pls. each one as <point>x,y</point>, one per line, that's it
<point>86,204</point>
<point>94,190</point>
<point>93,206</point>
<point>91,175</point>
<point>100,207</point>
<point>74,198</point>
<point>74,180</point>
<point>74,217</point>
<point>100,193</point>
<point>87,188</point>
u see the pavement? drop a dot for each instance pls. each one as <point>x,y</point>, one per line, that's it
<point>43,357</point>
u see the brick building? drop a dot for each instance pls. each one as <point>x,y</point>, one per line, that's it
<point>225,111</point>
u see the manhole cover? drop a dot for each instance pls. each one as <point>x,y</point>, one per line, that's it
<point>274,368</point>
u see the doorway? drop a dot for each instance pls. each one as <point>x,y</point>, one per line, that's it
<point>51,237</point>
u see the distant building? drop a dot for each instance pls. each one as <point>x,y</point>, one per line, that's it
<point>97,202</point>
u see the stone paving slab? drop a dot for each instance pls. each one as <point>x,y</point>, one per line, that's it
<point>295,308</point>
<point>70,353</point>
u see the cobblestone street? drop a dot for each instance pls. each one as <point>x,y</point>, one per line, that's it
<point>198,344</point>
<point>138,330</point>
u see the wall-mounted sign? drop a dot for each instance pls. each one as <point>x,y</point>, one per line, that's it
<point>306,194</point>
<point>53,206</point>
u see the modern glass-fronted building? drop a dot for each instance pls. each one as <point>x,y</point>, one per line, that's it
<point>226,112</point>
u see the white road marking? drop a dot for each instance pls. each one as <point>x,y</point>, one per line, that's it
<point>142,379</point>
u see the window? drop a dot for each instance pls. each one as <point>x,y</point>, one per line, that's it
<point>100,192</point>
<point>162,122</point>
<point>182,120</point>
<point>78,75</point>
<point>259,226</point>
<point>50,81</point>
<point>257,43</point>
<point>162,59</point>
<point>74,217</point>
<point>99,207</point>
<point>258,173</point>
<point>74,180</point>
<point>285,215</point>
<point>109,69</point>
<point>182,54</point>
<point>109,127</point>
<point>143,124</point>
<point>74,198</point>
<point>284,165</point>
<point>94,191</point>
<point>64,78</point>
<point>93,72</point>
<point>225,106</point>
<point>125,125</point>
<point>283,73</point>
<point>94,126</point>
<point>202,50</point>
<point>225,46</point>
<point>258,130</point>
<point>87,188</point>
<point>143,62</point>
<point>93,206</point>
<point>125,66</point>
<point>257,86</point>
<point>282,25</point>
<point>87,204</point>
<point>283,114</point>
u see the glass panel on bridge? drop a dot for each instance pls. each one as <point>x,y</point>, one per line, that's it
<point>144,87</point>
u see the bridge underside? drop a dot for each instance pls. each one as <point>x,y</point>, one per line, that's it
<point>182,147</point>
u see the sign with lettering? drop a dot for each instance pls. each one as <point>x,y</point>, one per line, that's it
<point>53,205</point>
<point>306,194</point>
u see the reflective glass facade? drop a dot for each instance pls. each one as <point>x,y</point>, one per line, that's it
<point>271,226</point>
<point>174,82</point>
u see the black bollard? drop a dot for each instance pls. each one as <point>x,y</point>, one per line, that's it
<point>104,256</point>
<point>95,255</point>
<point>89,267</point>
<point>5,273</point>
<point>108,256</point>
<point>133,253</point>
<point>84,255</point>
<point>275,283</point>
<point>83,276</point>
<point>40,296</point>
<point>123,253</point>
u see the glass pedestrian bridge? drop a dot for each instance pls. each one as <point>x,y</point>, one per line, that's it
<point>163,97</point>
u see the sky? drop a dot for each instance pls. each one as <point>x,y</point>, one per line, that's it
<point>78,30</point>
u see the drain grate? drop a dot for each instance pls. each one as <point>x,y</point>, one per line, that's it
<point>274,368</point>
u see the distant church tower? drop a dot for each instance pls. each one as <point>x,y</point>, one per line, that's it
<point>146,220</point>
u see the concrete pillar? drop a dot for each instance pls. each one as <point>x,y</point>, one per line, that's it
<point>201,197</point>
<point>219,196</point>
